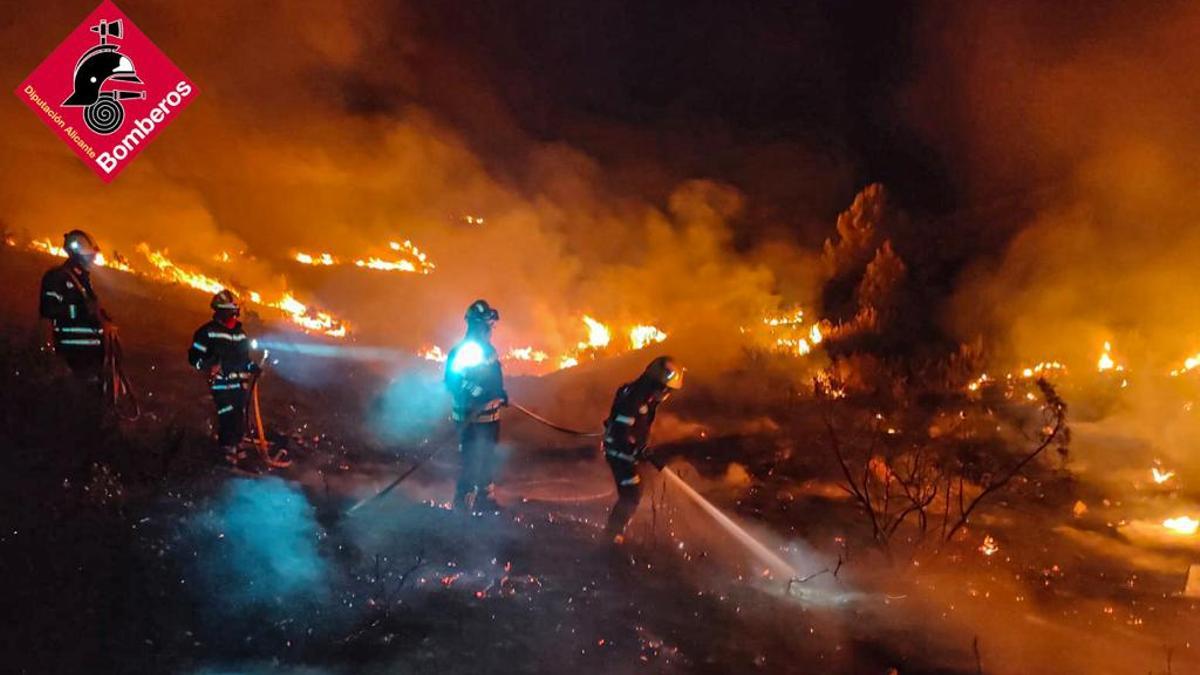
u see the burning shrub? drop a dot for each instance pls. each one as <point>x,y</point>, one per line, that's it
<point>923,467</point>
<point>858,234</point>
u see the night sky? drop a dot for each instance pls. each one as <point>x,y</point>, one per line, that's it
<point>794,103</point>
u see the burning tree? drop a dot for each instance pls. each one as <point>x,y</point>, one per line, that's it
<point>927,469</point>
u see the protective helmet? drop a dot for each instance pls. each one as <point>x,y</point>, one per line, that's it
<point>225,301</point>
<point>79,244</point>
<point>481,312</point>
<point>666,372</point>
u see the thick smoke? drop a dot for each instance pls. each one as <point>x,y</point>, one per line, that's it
<point>1091,112</point>
<point>330,139</point>
<point>259,548</point>
<point>1083,118</point>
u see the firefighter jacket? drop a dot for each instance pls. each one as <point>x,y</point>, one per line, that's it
<point>627,429</point>
<point>214,344</point>
<point>475,381</point>
<point>70,304</point>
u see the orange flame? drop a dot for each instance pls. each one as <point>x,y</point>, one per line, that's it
<point>598,334</point>
<point>989,546</point>
<point>598,340</point>
<point>166,270</point>
<point>1185,525</point>
<point>642,336</point>
<point>414,261</point>
<point>177,274</point>
<point>1106,362</point>
<point>527,354</point>
<point>1189,364</point>
<point>321,259</point>
<point>433,353</point>
<point>785,333</point>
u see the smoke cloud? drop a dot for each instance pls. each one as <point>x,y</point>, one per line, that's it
<point>337,135</point>
<point>258,547</point>
<point>1091,113</point>
<point>1076,128</point>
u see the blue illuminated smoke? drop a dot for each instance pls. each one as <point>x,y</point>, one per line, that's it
<point>314,364</point>
<point>279,345</point>
<point>257,546</point>
<point>412,406</point>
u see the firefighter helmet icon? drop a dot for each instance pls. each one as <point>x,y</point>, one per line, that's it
<point>100,74</point>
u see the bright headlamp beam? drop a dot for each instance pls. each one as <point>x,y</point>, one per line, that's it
<point>469,355</point>
<point>353,353</point>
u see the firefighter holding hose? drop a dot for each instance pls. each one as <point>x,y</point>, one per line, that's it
<point>475,381</point>
<point>627,432</point>
<point>221,350</point>
<point>70,304</point>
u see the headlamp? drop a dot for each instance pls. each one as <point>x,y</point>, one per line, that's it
<point>468,355</point>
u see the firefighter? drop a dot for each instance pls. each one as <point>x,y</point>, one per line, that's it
<point>69,303</point>
<point>476,384</point>
<point>221,350</point>
<point>627,431</point>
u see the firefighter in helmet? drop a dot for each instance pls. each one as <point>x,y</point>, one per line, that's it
<point>627,432</point>
<point>476,384</point>
<point>69,303</point>
<point>221,351</point>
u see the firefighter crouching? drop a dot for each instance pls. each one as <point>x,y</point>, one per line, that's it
<point>221,350</point>
<point>476,384</point>
<point>627,432</point>
<point>70,304</point>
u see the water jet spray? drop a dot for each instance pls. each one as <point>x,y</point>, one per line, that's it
<point>764,555</point>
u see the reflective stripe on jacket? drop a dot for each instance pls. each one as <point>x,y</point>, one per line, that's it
<point>69,302</point>
<point>627,429</point>
<point>213,344</point>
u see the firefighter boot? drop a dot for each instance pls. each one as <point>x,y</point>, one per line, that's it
<point>464,500</point>
<point>486,502</point>
<point>236,460</point>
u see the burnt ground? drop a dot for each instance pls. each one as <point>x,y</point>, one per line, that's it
<point>124,549</point>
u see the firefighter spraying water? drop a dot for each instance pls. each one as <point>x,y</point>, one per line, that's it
<point>627,432</point>
<point>626,445</point>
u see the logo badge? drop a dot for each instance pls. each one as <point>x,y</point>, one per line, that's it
<point>107,91</point>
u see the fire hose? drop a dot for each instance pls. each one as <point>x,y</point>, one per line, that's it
<point>114,384</point>
<point>760,551</point>
<point>438,447</point>
<point>278,460</point>
<point>542,420</point>
<point>441,445</point>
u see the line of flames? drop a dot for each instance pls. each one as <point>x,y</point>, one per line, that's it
<point>598,340</point>
<point>166,270</point>
<point>414,261</point>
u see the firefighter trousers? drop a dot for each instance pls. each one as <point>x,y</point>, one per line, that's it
<point>629,493</point>
<point>231,415</point>
<point>86,363</point>
<point>477,442</point>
